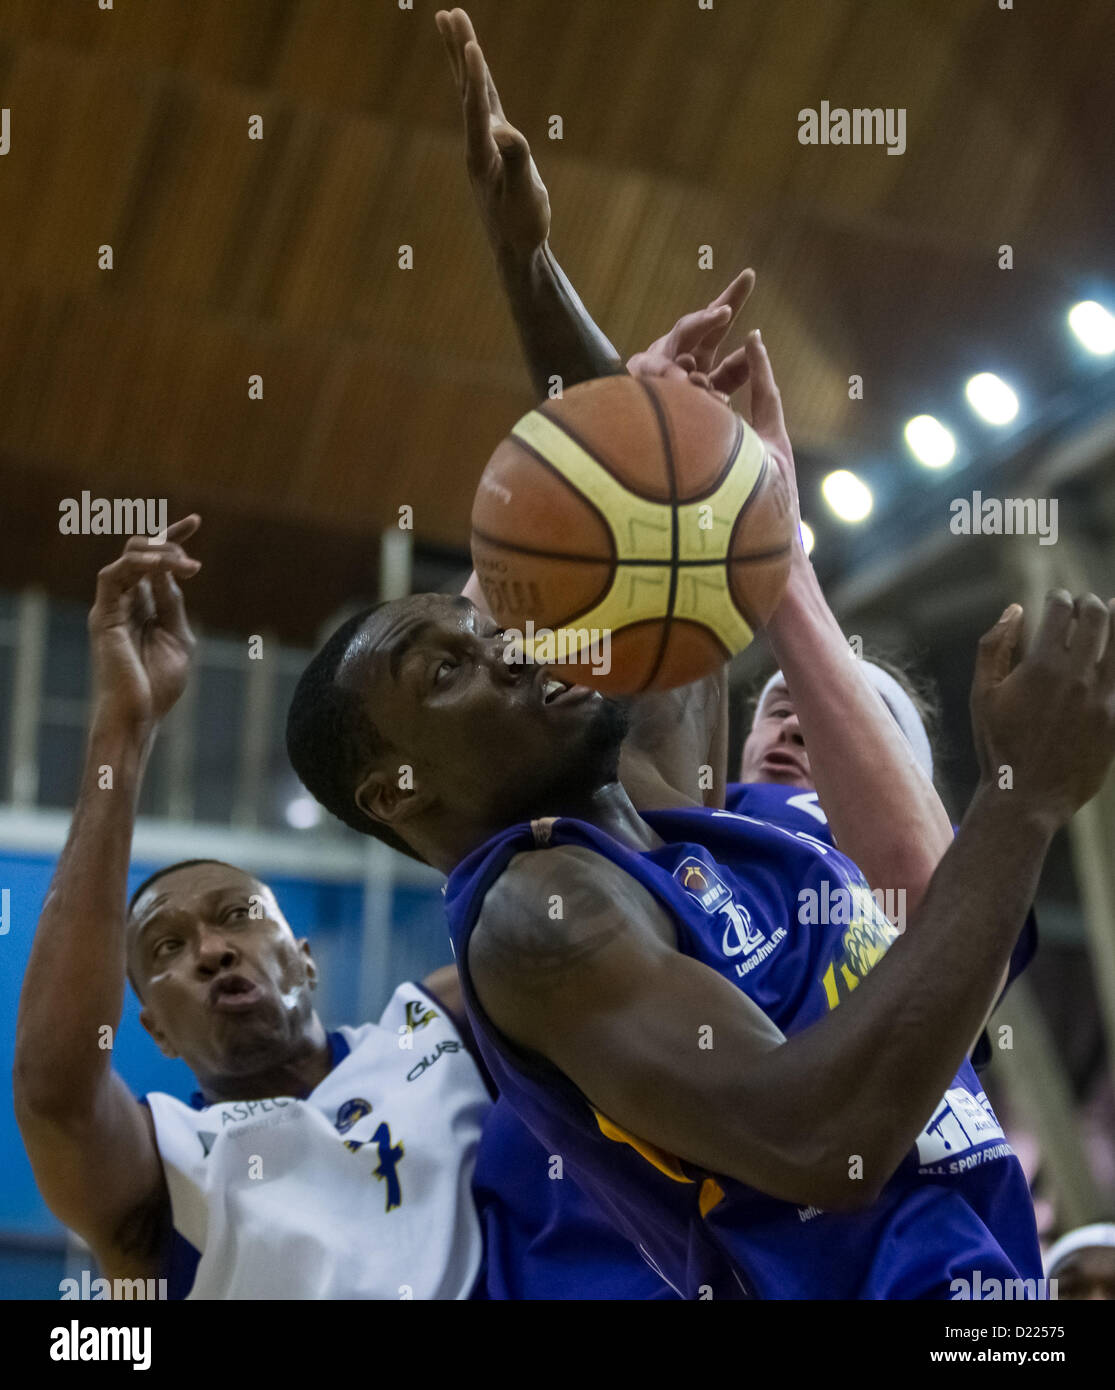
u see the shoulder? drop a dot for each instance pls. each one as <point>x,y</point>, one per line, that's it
<point>552,908</point>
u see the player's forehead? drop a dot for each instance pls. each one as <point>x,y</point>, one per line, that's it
<point>395,626</point>
<point>777,695</point>
<point>193,888</point>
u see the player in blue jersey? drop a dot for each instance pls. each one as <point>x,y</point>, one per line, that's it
<point>545,1239</point>
<point>895,811</point>
<point>752,1138</point>
<point>756,1139</point>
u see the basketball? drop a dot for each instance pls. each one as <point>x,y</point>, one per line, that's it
<point>644,509</point>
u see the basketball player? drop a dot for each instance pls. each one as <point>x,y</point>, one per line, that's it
<point>310,1164</point>
<point>543,1239</point>
<point>753,1139</point>
<point>422,683</point>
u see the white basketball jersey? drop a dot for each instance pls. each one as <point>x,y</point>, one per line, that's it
<point>362,1190</point>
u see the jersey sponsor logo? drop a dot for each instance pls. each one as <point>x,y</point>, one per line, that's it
<point>351,1113</point>
<point>424,1063</point>
<point>418,1014</point>
<point>248,1109</point>
<point>961,1124</point>
<point>389,1155</point>
<point>741,937</point>
<point>863,944</point>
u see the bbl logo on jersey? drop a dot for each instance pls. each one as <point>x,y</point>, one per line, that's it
<point>708,889</point>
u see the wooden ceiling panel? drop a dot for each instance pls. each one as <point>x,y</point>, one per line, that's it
<point>385,386</point>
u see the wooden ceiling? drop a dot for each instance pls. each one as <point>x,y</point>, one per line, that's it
<point>383,386</point>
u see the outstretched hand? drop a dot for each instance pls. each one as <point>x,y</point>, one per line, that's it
<point>513,199</point>
<point>1044,726</point>
<point>140,639</point>
<point>688,351</point>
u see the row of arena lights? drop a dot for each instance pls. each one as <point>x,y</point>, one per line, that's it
<point>934,445</point>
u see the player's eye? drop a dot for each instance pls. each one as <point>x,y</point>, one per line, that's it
<point>235,913</point>
<point>164,946</point>
<point>443,671</point>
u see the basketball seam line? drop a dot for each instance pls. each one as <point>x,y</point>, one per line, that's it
<point>671,477</point>
<point>577,493</point>
<point>621,564</point>
<point>748,617</point>
<point>612,562</point>
<point>572,434</point>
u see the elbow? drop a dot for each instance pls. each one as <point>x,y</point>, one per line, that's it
<point>833,1175</point>
<point>809,1174</point>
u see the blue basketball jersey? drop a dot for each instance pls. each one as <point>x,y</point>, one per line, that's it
<point>544,1237</point>
<point>800,810</point>
<point>788,919</point>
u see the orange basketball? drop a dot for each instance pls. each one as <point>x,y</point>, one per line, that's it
<point>646,510</point>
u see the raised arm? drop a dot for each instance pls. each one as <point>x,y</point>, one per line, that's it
<point>884,811</point>
<point>604,995</point>
<point>674,737</point>
<point>558,336</point>
<point>90,1142</point>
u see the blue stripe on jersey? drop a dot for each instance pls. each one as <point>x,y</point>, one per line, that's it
<point>731,885</point>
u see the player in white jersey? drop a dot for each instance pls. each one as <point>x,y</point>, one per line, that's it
<point>310,1164</point>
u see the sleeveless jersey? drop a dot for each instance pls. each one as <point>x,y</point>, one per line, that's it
<point>544,1237</point>
<point>800,810</point>
<point>788,919</point>
<point>359,1190</point>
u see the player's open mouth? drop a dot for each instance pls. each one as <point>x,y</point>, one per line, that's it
<point>555,692</point>
<point>232,993</point>
<point>783,762</point>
